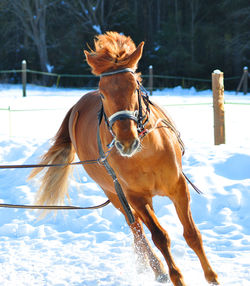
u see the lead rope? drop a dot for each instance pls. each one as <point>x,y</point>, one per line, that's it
<point>111,172</point>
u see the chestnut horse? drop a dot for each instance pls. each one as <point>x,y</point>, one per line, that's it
<point>145,153</point>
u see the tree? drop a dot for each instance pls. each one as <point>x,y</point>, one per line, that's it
<point>237,33</point>
<point>182,38</point>
<point>32,15</point>
<point>94,16</point>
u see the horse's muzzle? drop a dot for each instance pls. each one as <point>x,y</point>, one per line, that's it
<point>128,149</point>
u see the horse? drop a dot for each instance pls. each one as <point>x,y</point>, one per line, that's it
<point>137,140</point>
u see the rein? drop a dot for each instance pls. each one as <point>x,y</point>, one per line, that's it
<point>141,121</point>
<point>38,207</point>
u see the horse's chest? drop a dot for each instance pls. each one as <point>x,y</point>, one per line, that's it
<point>142,179</point>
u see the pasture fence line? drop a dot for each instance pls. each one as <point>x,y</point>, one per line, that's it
<point>10,110</point>
<point>217,81</point>
<point>151,78</point>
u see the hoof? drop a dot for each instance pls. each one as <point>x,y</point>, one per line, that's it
<point>214,283</point>
<point>163,278</point>
<point>213,279</point>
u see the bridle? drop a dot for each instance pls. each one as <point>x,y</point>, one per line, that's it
<point>139,118</point>
<point>135,115</point>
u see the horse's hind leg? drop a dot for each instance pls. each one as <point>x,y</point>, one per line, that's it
<point>144,251</point>
<point>142,247</point>
<point>192,235</point>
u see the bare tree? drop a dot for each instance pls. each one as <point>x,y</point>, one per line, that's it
<point>195,7</point>
<point>177,20</point>
<point>32,17</point>
<point>94,16</point>
<point>239,43</point>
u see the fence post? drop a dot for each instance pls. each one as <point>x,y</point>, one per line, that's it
<point>245,81</point>
<point>150,81</point>
<point>58,80</point>
<point>218,105</point>
<point>24,77</point>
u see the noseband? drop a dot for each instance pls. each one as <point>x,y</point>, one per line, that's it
<point>136,115</point>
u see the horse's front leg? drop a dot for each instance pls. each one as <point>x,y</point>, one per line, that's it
<point>146,253</point>
<point>142,247</point>
<point>144,209</point>
<point>192,235</point>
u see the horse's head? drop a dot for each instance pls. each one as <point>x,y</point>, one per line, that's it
<point>119,90</point>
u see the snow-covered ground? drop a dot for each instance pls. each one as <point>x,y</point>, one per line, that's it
<point>95,247</point>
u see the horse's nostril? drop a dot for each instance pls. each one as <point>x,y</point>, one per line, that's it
<point>135,144</point>
<point>128,149</point>
<point>118,145</point>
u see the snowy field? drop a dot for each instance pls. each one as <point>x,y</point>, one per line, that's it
<point>91,248</point>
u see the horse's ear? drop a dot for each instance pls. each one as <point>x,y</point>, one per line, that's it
<point>89,58</point>
<point>136,55</point>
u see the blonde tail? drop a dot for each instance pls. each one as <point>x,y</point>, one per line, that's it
<point>54,182</point>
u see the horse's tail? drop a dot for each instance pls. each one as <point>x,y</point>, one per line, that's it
<point>54,181</point>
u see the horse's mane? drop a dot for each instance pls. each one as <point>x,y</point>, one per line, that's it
<point>111,52</point>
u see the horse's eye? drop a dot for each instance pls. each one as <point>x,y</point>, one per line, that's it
<point>102,96</point>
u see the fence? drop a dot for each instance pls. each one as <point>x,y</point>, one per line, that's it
<point>18,122</point>
<point>217,86</point>
<point>151,80</point>
<point>28,122</point>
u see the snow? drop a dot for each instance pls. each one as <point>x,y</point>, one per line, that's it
<point>97,28</point>
<point>217,71</point>
<point>49,68</point>
<point>96,247</point>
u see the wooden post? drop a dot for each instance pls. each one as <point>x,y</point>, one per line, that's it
<point>24,77</point>
<point>58,80</point>
<point>218,104</point>
<point>150,81</point>
<point>183,83</point>
<point>245,81</point>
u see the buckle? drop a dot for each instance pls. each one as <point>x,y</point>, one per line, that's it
<point>143,133</point>
<point>101,160</point>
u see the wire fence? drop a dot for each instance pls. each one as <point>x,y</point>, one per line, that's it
<point>17,121</point>
<point>152,81</point>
